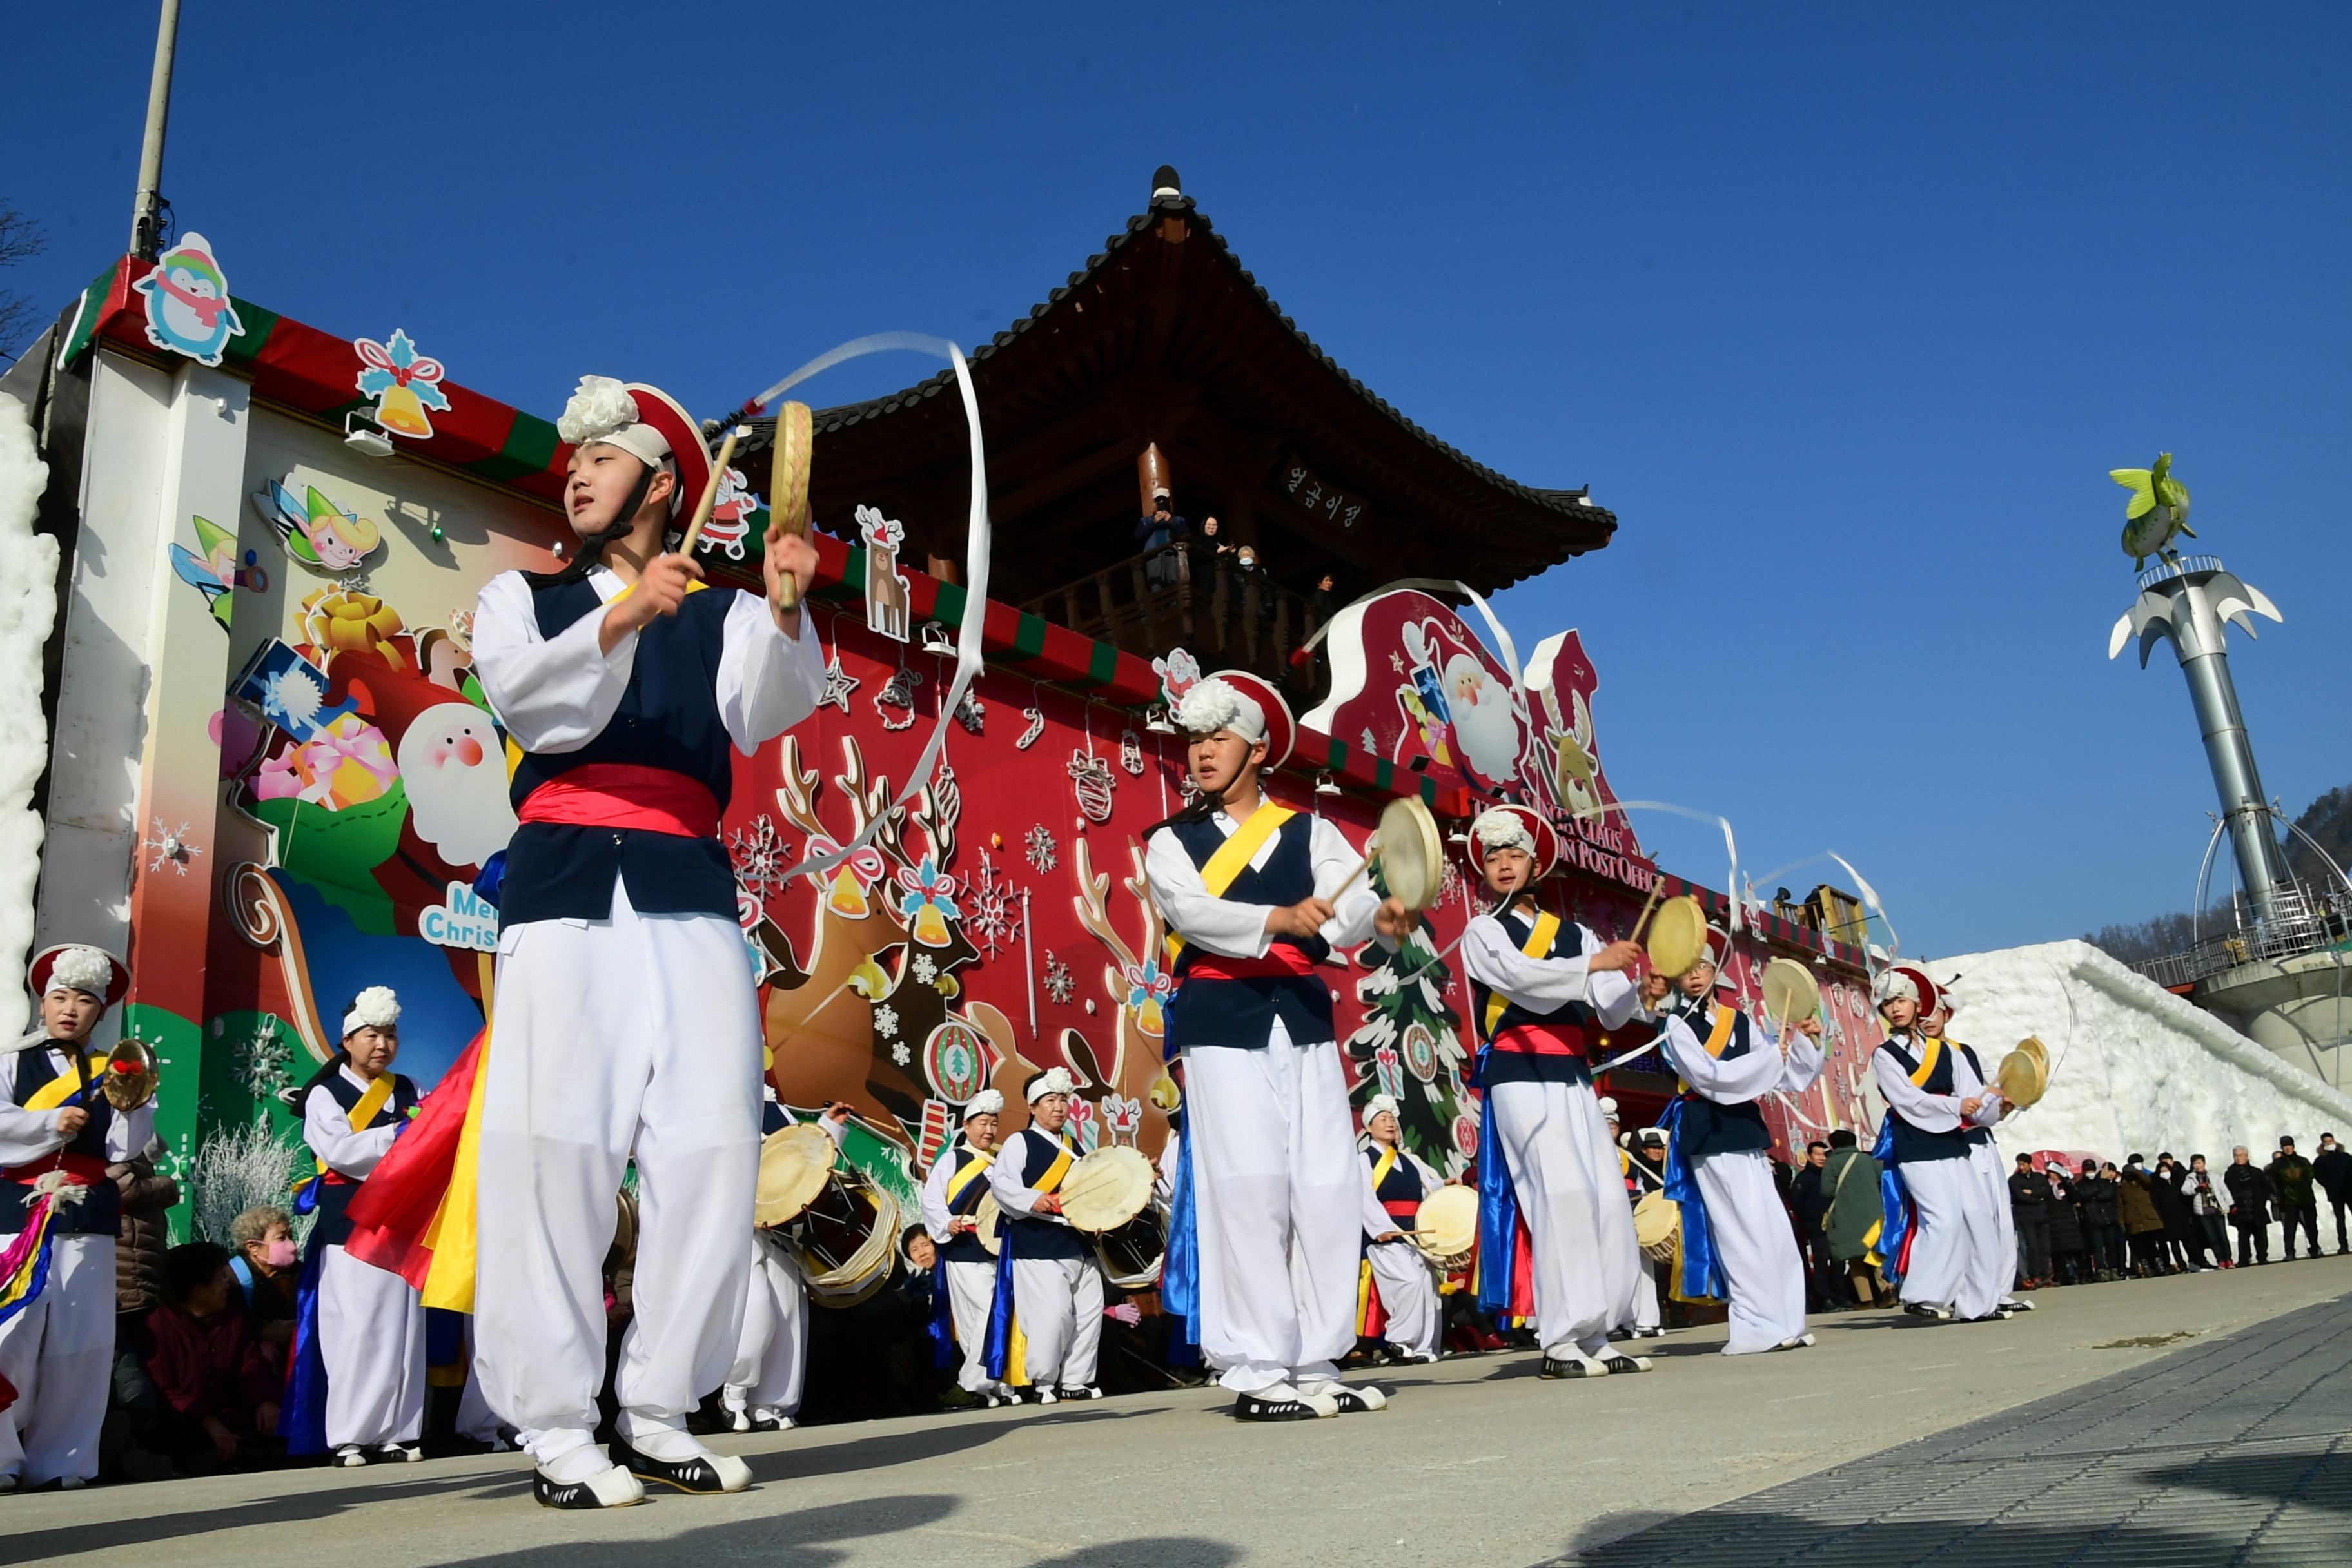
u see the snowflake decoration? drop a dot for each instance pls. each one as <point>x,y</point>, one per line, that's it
<point>1058,983</point>
<point>971,712</point>
<point>902,1053</point>
<point>1044,853</point>
<point>839,687</point>
<point>169,846</point>
<point>1451,885</point>
<point>993,920</point>
<point>260,1063</point>
<point>886,1021</point>
<point>290,698</point>
<point>925,970</point>
<point>761,857</point>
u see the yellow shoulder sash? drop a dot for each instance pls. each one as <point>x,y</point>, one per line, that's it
<point>1717,1038</point>
<point>65,1086</point>
<point>1239,850</point>
<point>371,1102</point>
<point>1057,1171</point>
<point>972,1169</point>
<point>1931,1051</point>
<point>1537,945</point>
<point>1381,1167</point>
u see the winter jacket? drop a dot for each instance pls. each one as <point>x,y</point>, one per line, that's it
<point>2065,1218</point>
<point>2333,1167</point>
<point>2097,1195</point>
<point>2136,1203</point>
<point>1808,1201</point>
<point>1851,1180</point>
<point>2180,1223</point>
<point>2250,1193</point>
<point>143,1236</point>
<point>2290,1177</point>
<point>2205,1195</point>
<point>2028,1195</point>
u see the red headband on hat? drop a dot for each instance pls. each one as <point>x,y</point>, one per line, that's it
<point>1547,841</point>
<point>1281,729</point>
<point>659,409</point>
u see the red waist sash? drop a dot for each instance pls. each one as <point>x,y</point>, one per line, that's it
<point>1402,1208</point>
<point>86,1169</point>
<point>625,795</point>
<point>1281,959</point>
<point>1541,1040</point>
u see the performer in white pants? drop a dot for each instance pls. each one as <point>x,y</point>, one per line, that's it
<point>1934,1095</point>
<point>1056,1280</point>
<point>764,1388</point>
<point>1543,988</point>
<point>58,1135</point>
<point>1728,1063</point>
<point>626,1020</point>
<point>1999,1261</point>
<point>1251,892</point>
<point>1395,1182</point>
<point>1644,1168</point>
<point>951,1193</point>
<point>371,1321</point>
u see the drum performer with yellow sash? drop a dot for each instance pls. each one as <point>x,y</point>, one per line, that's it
<point>762,1392</point>
<point>1737,1240</point>
<point>1256,897</point>
<point>1552,1208</point>
<point>626,1019</point>
<point>1048,1309</point>
<point>60,1129</point>
<point>2000,1261</point>
<point>1398,1300</point>
<point>1941,1236</point>
<point>952,1194</point>
<point>367,1324</point>
<point>1643,1157</point>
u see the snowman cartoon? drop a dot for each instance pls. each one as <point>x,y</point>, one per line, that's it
<point>188,306</point>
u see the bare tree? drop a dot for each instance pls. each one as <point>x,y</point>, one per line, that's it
<point>20,239</point>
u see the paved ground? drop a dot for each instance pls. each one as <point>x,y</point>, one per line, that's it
<point>2181,1420</point>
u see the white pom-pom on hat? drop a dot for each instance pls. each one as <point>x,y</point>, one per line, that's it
<point>987,1102</point>
<point>1381,1105</point>
<point>374,1008</point>
<point>1053,1080</point>
<point>1499,829</point>
<point>604,410</point>
<point>83,969</point>
<point>1217,704</point>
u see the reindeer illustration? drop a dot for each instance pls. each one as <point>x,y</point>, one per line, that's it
<point>887,610</point>
<point>1138,985</point>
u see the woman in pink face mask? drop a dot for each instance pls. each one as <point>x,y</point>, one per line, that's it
<point>265,1263</point>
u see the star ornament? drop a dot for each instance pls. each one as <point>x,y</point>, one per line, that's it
<point>839,687</point>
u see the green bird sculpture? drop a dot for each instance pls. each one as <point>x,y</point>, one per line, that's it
<point>2157,510</point>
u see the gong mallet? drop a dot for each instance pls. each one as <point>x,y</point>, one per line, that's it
<point>711,491</point>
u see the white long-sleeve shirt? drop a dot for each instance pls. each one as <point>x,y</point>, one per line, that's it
<point>938,1218</point>
<point>1492,958</point>
<point>556,695</point>
<point>29,1135</point>
<point>1736,1080</point>
<point>1377,1220</point>
<point>327,1128</point>
<point>1932,1112</point>
<point>1237,929</point>
<point>1004,1177</point>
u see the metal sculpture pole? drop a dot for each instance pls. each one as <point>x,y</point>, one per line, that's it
<point>2188,603</point>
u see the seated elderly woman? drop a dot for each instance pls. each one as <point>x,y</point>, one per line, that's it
<point>263,1259</point>
<point>218,1391</point>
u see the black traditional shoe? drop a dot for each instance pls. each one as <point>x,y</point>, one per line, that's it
<point>1919,1310</point>
<point>1618,1364</point>
<point>704,1475</point>
<point>1577,1366</point>
<point>1079,1391</point>
<point>1351,1401</point>
<point>612,1487</point>
<point>1251,1407</point>
<point>395,1454</point>
<point>1992,1317</point>
<point>2012,1304</point>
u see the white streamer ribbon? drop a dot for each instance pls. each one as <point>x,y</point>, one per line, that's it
<point>1730,845</point>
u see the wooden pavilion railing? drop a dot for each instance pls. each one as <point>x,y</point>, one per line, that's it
<point>1186,595</point>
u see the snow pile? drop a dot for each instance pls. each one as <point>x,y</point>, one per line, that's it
<point>28,606</point>
<point>2133,1068</point>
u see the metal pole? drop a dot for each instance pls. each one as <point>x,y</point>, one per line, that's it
<point>2198,642</point>
<point>147,208</point>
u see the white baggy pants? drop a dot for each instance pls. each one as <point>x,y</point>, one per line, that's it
<point>771,1352</point>
<point>1762,1269</point>
<point>1956,1231</point>
<point>635,1033</point>
<point>1572,1198</point>
<point>58,1353</point>
<point>371,1337</point>
<point>1645,1312</point>
<point>1408,1295</point>
<point>2000,1260</point>
<point>971,1294</point>
<point>1278,1205</point>
<point>1059,1303</point>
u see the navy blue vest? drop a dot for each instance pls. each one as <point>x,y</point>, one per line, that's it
<point>334,1223</point>
<point>100,1213</point>
<point>1504,1066</point>
<point>964,1246</point>
<point>668,719</point>
<point>1242,1013</point>
<point>1911,1143</point>
<point>1400,1185</point>
<point>1035,1150</point>
<point>773,1119</point>
<point>1709,1128</point>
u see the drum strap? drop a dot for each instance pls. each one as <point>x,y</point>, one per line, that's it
<point>1717,1038</point>
<point>973,1168</point>
<point>65,1086</point>
<point>1383,1165</point>
<point>1248,838</point>
<point>1537,945</point>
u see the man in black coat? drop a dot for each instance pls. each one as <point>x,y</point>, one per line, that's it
<point>2331,1167</point>
<point>2297,1199</point>
<point>1809,1203</point>
<point>2028,1206</point>
<point>2249,1206</point>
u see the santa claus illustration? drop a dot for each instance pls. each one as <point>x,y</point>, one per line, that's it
<point>455,769</point>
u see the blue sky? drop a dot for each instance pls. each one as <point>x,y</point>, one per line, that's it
<point>1846,310</point>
